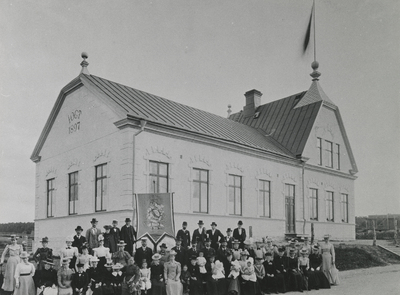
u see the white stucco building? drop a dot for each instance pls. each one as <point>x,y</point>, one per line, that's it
<point>276,166</point>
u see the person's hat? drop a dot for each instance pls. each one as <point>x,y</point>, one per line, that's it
<point>178,239</point>
<point>223,241</point>
<point>48,261</point>
<point>121,243</point>
<point>69,239</point>
<point>327,236</point>
<point>100,238</point>
<point>207,240</point>
<point>117,266</point>
<point>200,222</point>
<point>315,247</point>
<point>65,260</point>
<point>240,222</point>
<point>193,257</point>
<point>94,259</point>
<point>292,250</point>
<point>45,240</point>
<point>269,253</point>
<point>79,228</point>
<point>303,251</point>
<point>108,264</point>
<point>268,240</point>
<point>244,253</point>
<point>114,221</point>
<point>172,252</point>
<point>24,254</point>
<point>184,223</point>
<point>229,230</point>
<point>13,237</point>
<point>80,265</point>
<point>128,219</point>
<point>292,241</point>
<point>163,246</point>
<point>281,249</point>
<point>213,223</point>
<point>94,220</point>
<point>106,227</point>
<point>235,242</point>
<point>156,256</point>
<point>143,239</point>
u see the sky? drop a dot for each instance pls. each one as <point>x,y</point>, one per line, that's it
<point>204,54</point>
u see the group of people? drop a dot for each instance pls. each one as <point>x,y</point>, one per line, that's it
<point>206,262</point>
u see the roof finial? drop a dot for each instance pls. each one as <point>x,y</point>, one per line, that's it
<point>84,64</point>
<point>315,74</point>
<point>229,110</point>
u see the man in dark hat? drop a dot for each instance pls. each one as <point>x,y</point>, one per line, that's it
<point>207,250</point>
<point>239,234</point>
<point>180,251</point>
<point>107,236</point>
<point>215,236</point>
<point>192,251</point>
<point>79,240</point>
<point>80,281</point>
<point>92,235</point>
<point>229,238</point>
<point>223,250</point>
<point>184,235</point>
<point>128,235</point>
<point>114,236</point>
<point>142,253</point>
<point>199,234</point>
<point>281,264</point>
<point>43,253</point>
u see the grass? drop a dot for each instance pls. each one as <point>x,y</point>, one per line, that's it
<point>362,256</point>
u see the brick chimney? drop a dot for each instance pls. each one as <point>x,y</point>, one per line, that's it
<point>253,101</point>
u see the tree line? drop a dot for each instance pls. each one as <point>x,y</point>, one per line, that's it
<point>17,227</point>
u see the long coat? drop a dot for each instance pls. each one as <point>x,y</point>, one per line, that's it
<point>181,255</point>
<point>200,237</point>
<point>240,237</point>
<point>141,254</point>
<point>185,236</point>
<point>128,235</point>
<point>114,239</point>
<point>215,237</point>
<point>92,237</point>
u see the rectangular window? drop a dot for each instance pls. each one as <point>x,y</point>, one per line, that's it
<point>200,191</point>
<point>50,197</point>
<point>72,191</point>
<point>329,206</point>
<point>329,154</point>
<point>235,195</point>
<point>158,177</point>
<point>319,146</point>
<point>313,201</point>
<point>265,197</point>
<point>101,187</point>
<point>345,208</point>
<point>337,156</point>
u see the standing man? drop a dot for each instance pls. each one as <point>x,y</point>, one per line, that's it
<point>79,240</point>
<point>239,234</point>
<point>199,234</point>
<point>114,236</point>
<point>143,253</point>
<point>180,251</point>
<point>128,235</point>
<point>184,235</point>
<point>228,238</point>
<point>92,236</point>
<point>215,236</point>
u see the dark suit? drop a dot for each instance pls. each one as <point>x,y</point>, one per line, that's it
<point>185,236</point>
<point>271,282</point>
<point>114,239</point>
<point>181,255</point>
<point>200,237</point>
<point>141,254</point>
<point>221,254</point>
<point>281,264</point>
<point>240,237</point>
<point>229,240</point>
<point>189,253</point>
<point>78,242</point>
<point>80,281</point>
<point>128,235</point>
<point>215,237</point>
<point>208,252</point>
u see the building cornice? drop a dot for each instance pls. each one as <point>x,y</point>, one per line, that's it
<point>329,171</point>
<point>83,215</point>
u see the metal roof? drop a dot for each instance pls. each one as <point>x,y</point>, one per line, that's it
<point>159,110</point>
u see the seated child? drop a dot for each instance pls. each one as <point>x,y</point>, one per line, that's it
<point>185,279</point>
<point>248,273</point>
<point>201,262</point>
<point>235,269</point>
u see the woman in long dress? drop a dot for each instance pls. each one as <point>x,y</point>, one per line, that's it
<point>102,253</point>
<point>328,258</point>
<point>172,273</point>
<point>24,284</point>
<point>13,251</point>
<point>131,281</point>
<point>157,276</point>
<point>64,278</point>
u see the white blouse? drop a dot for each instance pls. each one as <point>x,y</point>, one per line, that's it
<point>24,268</point>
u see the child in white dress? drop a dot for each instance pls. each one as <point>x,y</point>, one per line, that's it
<point>145,274</point>
<point>201,262</point>
<point>248,272</point>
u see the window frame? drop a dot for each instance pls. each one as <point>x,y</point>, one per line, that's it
<point>262,194</point>
<point>344,204</point>
<point>76,192</point>
<point>329,152</point>
<point>319,146</point>
<point>103,180</point>
<point>50,194</point>
<point>199,182</point>
<point>337,156</point>
<point>234,187</point>
<point>311,204</point>
<point>156,188</point>
<point>332,208</point>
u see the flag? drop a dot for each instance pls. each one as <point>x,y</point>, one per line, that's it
<point>308,33</point>
<point>155,215</point>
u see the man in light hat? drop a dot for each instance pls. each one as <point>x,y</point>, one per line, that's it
<point>92,235</point>
<point>239,234</point>
<point>199,234</point>
<point>215,236</point>
<point>69,252</point>
<point>121,256</point>
<point>128,234</point>
<point>142,253</point>
<point>114,236</point>
<point>79,240</point>
<point>184,235</point>
<point>229,238</point>
<point>43,253</point>
<point>64,277</point>
<point>46,278</point>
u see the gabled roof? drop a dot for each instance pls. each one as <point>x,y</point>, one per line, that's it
<point>314,94</point>
<point>135,103</point>
<point>282,121</point>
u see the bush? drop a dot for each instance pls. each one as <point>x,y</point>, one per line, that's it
<point>369,235</point>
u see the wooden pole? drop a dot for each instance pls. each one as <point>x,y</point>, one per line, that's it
<point>312,233</point>
<point>396,236</point>
<point>373,229</point>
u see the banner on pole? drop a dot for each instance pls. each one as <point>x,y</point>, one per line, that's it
<point>155,216</point>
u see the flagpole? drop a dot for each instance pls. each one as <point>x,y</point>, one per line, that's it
<point>315,42</point>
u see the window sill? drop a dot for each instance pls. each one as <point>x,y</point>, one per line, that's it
<point>50,216</point>
<point>73,214</point>
<point>100,210</point>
